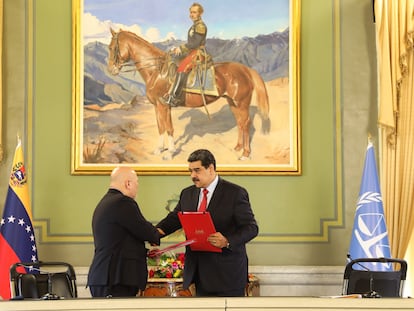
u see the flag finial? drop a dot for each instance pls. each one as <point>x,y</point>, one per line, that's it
<point>369,138</point>
<point>19,141</point>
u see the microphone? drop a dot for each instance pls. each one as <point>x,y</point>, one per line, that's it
<point>372,293</point>
<point>49,295</point>
<point>357,263</point>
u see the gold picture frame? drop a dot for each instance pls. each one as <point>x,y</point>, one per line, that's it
<point>113,123</point>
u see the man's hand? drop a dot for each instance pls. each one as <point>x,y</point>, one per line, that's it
<point>152,252</point>
<point>162,233</point>
<point>177,51</point>
<point>218,240</point>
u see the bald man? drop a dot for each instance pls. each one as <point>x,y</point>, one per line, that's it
<point>119,266</point>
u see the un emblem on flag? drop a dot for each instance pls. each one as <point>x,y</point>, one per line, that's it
<point>370,232</point>
<point>18,176</point>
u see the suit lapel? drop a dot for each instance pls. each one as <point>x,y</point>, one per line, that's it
<point>218,192</point>
<point>195,194</point>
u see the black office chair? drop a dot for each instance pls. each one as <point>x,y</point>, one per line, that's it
<point>359,279</point>
<point>45,280</point>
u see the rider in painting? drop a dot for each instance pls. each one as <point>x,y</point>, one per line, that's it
<point>188,53</point>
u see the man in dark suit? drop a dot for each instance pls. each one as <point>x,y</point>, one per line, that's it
<point>119,266</point>
<point>215,274</point>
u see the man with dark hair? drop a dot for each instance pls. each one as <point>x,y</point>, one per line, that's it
<point>196,39</point>
<point>222,274</point>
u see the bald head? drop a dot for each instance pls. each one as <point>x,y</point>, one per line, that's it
<point>125,180</point>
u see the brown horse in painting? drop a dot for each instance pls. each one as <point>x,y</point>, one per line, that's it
<point>235,82</point>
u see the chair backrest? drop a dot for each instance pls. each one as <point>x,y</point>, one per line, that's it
<point>47,280</point>
<point>358,279</point>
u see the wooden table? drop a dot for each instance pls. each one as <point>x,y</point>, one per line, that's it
<point>166,287</point>
<point>173,287</point>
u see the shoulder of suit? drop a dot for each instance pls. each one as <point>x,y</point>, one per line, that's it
<point>189,188</point>
<point>200,27</point>
<point>229,184</point>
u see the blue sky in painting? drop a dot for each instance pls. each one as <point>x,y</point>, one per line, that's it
<point>157,20</point>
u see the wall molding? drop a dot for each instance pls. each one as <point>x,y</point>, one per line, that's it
<point>301,281</point>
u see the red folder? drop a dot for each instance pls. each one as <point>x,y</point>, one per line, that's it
<point>198,226</point>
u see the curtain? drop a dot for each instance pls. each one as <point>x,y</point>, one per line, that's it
<point>394,30</point>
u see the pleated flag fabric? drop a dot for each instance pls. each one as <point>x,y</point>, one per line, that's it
<point>17,237</point>
<point>369,234</point>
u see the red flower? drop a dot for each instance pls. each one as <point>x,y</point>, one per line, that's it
<point>166,266</point>
<point>181,257</point>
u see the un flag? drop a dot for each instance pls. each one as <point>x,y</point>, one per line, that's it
<point>369,234</point>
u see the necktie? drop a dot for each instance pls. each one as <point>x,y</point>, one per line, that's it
<point>203,205</point>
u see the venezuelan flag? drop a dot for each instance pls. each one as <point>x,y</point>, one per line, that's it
<point>17,237</point>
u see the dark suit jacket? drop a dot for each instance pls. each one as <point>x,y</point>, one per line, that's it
<point>232,216</point>
<point>120,231</point>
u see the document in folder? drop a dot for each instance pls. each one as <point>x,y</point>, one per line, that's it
<point>157,252</point>
<point>198,226</point>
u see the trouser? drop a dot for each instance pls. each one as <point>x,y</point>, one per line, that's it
<point>175,94</point>
<point>187,63</point>
<point>179,82</point>
<point>201,292</point>
<point>114,291</point>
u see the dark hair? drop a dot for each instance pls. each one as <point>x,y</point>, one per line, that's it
<point>203,155</point>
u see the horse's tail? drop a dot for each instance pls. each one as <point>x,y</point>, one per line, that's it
<point>262,100</point>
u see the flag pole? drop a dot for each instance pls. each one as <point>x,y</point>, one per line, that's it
<point>369,138</point>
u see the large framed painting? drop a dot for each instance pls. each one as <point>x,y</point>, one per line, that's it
<point>238,92</point>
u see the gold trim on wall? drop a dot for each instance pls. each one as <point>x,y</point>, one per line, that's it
<point>46,236</point>
<point>97,152</point>
<point>335,212</point>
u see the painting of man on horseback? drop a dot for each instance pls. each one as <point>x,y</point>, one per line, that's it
<point>181,80</point>
<point>235,82</point>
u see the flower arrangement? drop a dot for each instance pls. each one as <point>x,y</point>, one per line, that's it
<point>168,265</point>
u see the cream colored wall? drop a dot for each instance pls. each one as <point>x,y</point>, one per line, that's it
<point>14,85</point>
<point>335,75</point>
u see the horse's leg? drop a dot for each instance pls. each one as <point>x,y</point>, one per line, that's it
<point>160,116</point>
<point>161,132</point>
<point>242,116</point>
<point>164,121</point>
<point>171,148</point>
<point>235,111</point>
<point>246,139</point>
<point>160,147</point>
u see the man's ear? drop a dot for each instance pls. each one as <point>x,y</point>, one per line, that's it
<point>127,183</point>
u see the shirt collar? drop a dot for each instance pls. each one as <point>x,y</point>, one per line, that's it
<point>212,186</point>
